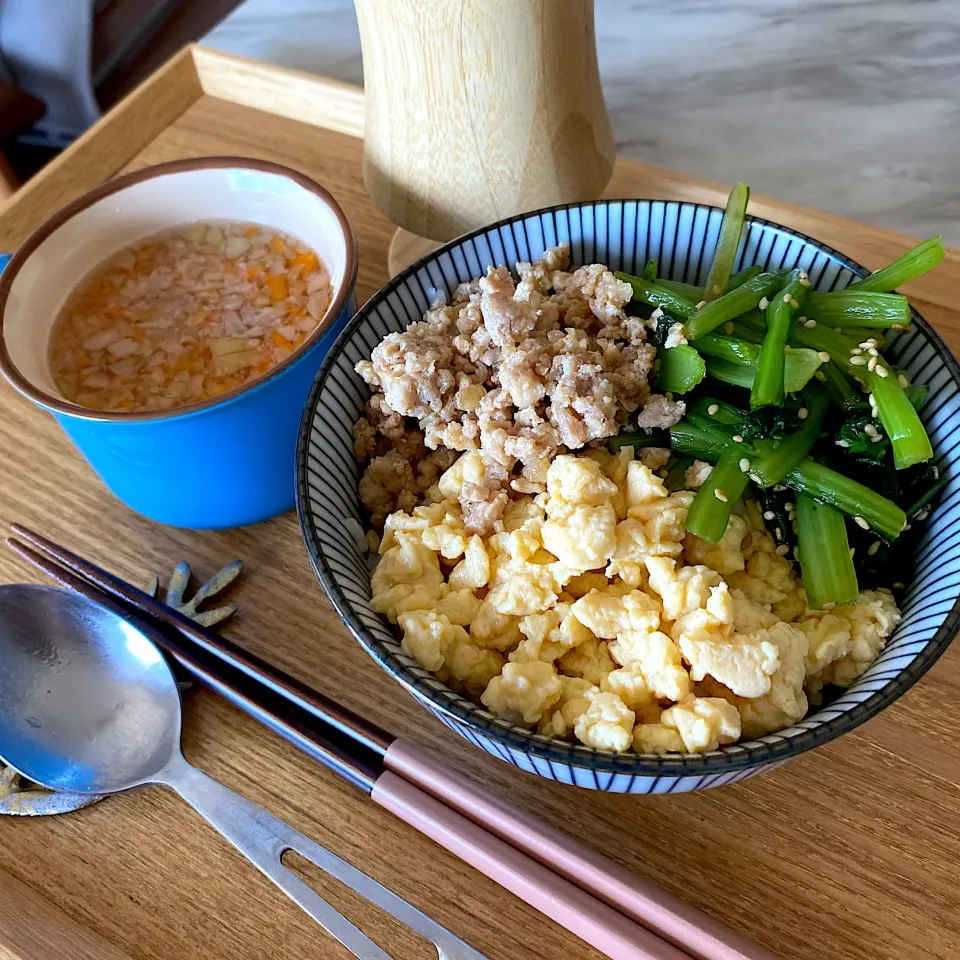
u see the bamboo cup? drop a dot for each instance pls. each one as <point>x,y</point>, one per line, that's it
<point>477,110</point>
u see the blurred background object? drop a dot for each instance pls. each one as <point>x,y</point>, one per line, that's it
<point>520,92</point>
<point>849,107</point>
<point>64,62</point>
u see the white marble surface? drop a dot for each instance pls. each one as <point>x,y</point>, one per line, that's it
<point>851,106</point>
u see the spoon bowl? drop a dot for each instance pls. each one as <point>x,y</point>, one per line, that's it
<point>87,702</point>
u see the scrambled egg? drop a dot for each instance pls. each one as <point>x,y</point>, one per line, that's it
<point>591,615</point>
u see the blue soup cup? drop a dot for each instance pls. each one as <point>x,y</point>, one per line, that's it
<point>223,462</point>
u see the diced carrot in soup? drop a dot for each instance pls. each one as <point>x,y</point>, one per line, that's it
<point>184,316</point>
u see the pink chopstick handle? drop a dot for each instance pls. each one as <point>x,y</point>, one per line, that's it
<point>610,932</point>
<point>678,923</point>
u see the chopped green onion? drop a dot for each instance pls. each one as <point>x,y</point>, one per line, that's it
<point>716,498</point>
<point>908,438</point>
<point>772,466</point>
<point>681,369</point>
<point>728,242</point>
<point>733,304</point>
<point>856,308</point>
<point>824,553</point>
<point>920,259</point>
<point>768,385</point>
<point>658,296</point>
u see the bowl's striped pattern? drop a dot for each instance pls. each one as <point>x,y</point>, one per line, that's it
<point>623,234</point>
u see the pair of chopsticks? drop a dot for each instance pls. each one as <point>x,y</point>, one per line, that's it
<point>622,916</point>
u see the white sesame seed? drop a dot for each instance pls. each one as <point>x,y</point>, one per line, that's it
<point>794,528</point>
<point>778,533</point>
<point>810,324</point>
<point>782,550</point>
<point>871,430</point>
<point>824,356</point>
<point>821,376</point>
<point>803,413</point>
<point>899,327</point>
<point>852,551</point>
<point>737,438</point>
<point>856,350</point>
<point>936,472</point>
<point>794,303</point>
<point>764,303</point>
<point>859,361</point>
<point>715,290</point>
<point>713,408</point>
<point>872,365</point>
<point>903,381</point>
<point>786,298</point>
<point>779,487</point>
<point>804,282</point>
<point>906,527</point>
<point>842,443</point>
<point>872,399</point>
<point>876,439</point>
<point>873,352</point>
<point>789,507</point>
<point>720,495</point>
<point>769,515</point>
<point>702,303</point>
<point>860,522</point>
<point>882,371</point>
<point>830,604</point>
<point>898,585</point>
<point>744,465</point>
<point>787,348</point>
<point>873,548</point>
<point>801,318</point>
<point>728,327</point>
<point>868,343</point>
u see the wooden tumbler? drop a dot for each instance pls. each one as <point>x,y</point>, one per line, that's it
<point>480,109</point>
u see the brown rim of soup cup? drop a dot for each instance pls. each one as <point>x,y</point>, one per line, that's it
<point>81,203</point>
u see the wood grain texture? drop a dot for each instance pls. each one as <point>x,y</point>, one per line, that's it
<point>32,928</point>
<point>851,852</point>
<point>508,117</point>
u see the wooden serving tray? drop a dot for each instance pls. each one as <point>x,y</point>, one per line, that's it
<point>852,851</point>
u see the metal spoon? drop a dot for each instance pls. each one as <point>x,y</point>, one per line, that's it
<point>88,704</point>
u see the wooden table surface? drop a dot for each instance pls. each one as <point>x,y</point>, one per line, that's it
<point>851,851</point>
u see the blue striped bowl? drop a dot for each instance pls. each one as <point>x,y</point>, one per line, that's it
<point>623,234</point>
